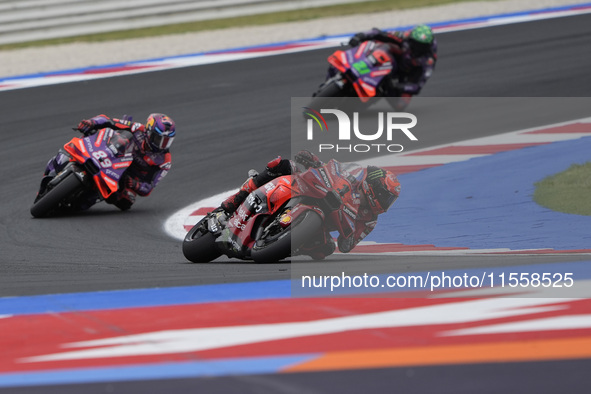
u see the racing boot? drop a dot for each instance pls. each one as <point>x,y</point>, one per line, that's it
<point>123,199</point>
<point>275,168</point>
<point>319,250</point>
<point>401,102</point>
<point>231,204</point>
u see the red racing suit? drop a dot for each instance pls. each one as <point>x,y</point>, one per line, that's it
<point>365,220</point>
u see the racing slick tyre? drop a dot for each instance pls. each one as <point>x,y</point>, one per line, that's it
<point>330,89</point>
<point>278,246</point>
<point>331,95</point>
<point>199,244</point>
<point>328,95</point>
<point>54,196</point>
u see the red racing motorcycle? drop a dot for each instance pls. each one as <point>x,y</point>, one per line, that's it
<point>285,217</point>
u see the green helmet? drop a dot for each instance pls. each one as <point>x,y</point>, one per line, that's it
<point>422,34</point>
<point>420,40</point>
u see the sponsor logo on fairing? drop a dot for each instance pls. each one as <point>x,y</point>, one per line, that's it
<point>325,178</point>
<point>349,212</point>
<point>112,173</point>
<point>255,202</point>
<point>213,226</point>
<point>269,187</point>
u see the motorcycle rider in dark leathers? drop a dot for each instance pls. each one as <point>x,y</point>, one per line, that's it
<point>415,51</point>
<point>377,189</point>
<point>151,158</point>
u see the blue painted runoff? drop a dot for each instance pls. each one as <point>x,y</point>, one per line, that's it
<point>487,202</point>
<point>173,370</point>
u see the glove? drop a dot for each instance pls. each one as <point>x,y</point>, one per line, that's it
<point>307,159</point>
<point>275,168</point>
<point>86,126</point>
<point>132,184</point>
<point>357,39</point>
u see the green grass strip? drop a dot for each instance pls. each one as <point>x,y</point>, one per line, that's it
<point>568,191</point>
<point>255,20</point>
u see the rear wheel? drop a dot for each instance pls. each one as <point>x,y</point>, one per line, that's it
<point>51,200</point>
<point>199,244</point>
<point>275,246</point>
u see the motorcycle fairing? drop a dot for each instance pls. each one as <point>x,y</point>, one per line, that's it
<point>99,159</point>
<point>335,191</point>
<point>365,67</point>
<point>277,197</point>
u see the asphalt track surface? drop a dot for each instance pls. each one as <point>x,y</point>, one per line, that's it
<point>232,117</point>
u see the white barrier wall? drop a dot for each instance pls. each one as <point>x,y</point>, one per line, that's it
<point>30,20</point>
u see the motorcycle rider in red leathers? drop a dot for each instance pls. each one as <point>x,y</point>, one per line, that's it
<point>377,190</point>
<point>151,157</point>
<point>415,51</point>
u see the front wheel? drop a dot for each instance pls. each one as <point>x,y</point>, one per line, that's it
<point>278,246</point>
<point>53,197</point>
<point>199,244</point>
<point>337,95</point>
<point>330,89</point>
<point>329,94</point>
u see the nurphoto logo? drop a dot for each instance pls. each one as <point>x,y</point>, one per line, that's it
<point>390,124</point>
